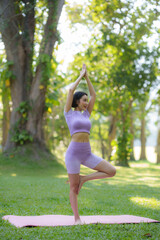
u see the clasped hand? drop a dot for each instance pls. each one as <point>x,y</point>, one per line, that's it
<point>83,72</point>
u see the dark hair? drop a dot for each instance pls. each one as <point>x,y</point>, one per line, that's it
<point>77,96</point>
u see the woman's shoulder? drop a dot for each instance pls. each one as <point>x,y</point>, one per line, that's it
<point>68,113</point>
<point>86,113</point>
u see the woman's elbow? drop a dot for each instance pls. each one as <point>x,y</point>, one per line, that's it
<point>94,95</point>
<point>71,90</point>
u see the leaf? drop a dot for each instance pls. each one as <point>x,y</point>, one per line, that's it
<point>7,83</point>
<point>41,87</point>
<point>147,235</point>
<point>49,110</point>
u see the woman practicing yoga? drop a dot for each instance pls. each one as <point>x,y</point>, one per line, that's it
<point>79,150</point>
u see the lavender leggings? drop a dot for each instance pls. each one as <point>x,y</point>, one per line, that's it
<point>80,153</point>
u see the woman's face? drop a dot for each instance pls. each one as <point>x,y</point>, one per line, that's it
<point>83,103</point>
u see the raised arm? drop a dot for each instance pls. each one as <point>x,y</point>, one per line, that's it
<point>92,93</point>
<point>72,89</point>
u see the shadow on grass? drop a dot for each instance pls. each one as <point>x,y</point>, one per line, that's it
<point>29,161</point>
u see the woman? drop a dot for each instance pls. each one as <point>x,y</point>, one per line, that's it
<point>79,150</point>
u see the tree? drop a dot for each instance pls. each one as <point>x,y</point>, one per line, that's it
<point>20,21</point>
<point>132,132</point>
<point>5,93</point>
<point>143,113</point>
<point>158,135</point>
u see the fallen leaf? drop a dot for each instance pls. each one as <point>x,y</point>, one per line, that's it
<point>147,235</point>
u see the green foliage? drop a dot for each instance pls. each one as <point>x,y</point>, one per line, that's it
<point>45,62</point>
<point>19,135</point>
<point>141,110</point>
<point>23,108</point>
<point>5,74</point>
<point>99,133</point>
<point>123,136</point>
<point>56,129</point>
<point>53,90</point>
<point>124,148</point>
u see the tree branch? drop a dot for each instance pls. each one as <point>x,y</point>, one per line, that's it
<point>50,30</point>
<point>8,25</point>
<point>37,94</point>
<point>49,39</point>
<point>28,30</point>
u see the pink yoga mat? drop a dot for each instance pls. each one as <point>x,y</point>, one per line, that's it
<point>65,220</point>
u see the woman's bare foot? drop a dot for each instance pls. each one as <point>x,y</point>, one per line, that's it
<point>78,222</point>
<point>81,182</point>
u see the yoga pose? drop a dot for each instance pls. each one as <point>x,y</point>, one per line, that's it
<point>79,150</point>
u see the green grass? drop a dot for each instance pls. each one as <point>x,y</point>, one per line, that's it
<point>36,187</point>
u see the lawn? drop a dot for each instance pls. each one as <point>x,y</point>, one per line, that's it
<point>38,188</point>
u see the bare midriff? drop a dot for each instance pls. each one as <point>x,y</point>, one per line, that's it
<point>80,137</point>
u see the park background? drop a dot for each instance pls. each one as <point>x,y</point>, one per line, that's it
<point>43,47</point>
<point>76,38</point>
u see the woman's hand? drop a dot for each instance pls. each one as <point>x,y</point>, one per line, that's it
<point>86,74</point>
<point>83,71</point>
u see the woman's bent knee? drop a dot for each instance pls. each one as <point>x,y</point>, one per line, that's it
<point>112,172</point>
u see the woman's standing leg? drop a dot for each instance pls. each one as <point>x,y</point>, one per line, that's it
<point>74,185</point>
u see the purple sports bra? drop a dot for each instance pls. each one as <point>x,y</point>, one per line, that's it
<point>77,121</point>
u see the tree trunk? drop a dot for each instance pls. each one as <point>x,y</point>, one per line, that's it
<point>6,117</point>
<point>17,88</point>
<point>111,135</point>
<point>123,149</point>
<point>18,36</point>
<point>18,51</point>
<point>102,143</point>
<point>158,136</point>
<point>158,147</point>
<point>37,95</point>
<point>143,136</point>
<point>132,157</point>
